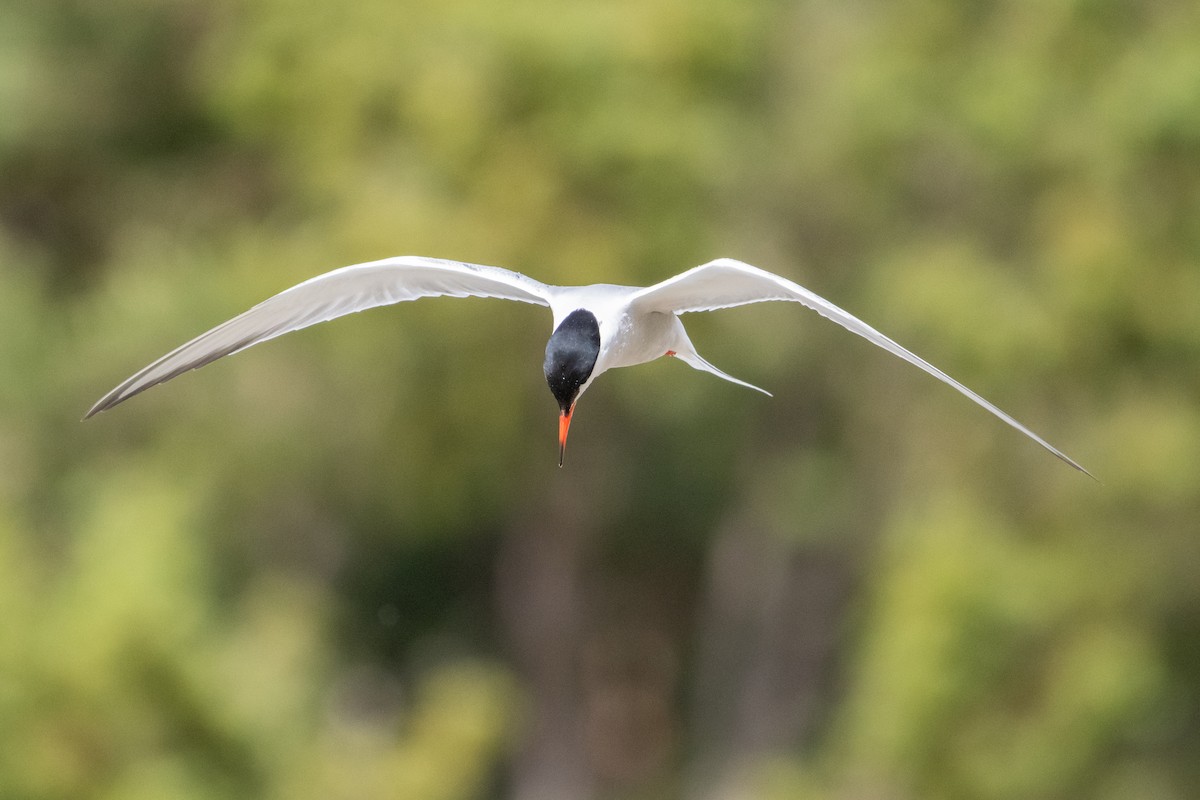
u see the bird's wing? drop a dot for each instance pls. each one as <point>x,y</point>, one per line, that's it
<point>334,294</point>
<point>725,283</point>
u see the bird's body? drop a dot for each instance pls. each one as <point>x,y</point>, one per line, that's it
<point>628,336</point>
<point>596,328</point>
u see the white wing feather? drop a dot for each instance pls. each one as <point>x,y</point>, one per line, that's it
<point>725,283</point>
<point>325,297</point>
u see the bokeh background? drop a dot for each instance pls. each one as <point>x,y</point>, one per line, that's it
<point>345,564</point>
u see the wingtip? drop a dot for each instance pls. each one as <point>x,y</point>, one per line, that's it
<point>1073,463</point>
<point>103,404</point>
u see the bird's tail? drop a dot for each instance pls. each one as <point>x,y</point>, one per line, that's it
<point>694,360</point>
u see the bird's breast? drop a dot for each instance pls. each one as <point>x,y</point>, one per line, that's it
<point>634,340</point>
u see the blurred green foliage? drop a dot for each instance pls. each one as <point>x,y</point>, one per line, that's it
<point>346,564</point>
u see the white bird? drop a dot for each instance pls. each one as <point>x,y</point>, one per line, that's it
<point>596,328</point>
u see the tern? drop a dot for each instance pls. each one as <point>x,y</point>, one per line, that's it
<point>596,328</point>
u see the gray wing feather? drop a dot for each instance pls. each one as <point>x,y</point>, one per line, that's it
<point>725,283</point>
<point>325,297</point>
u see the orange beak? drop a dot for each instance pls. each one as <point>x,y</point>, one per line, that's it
<point>564,425</point>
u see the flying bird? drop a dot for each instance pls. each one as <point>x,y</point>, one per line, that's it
<point>596,328</point>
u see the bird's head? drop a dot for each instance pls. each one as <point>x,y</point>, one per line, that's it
<point>571,356</point>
